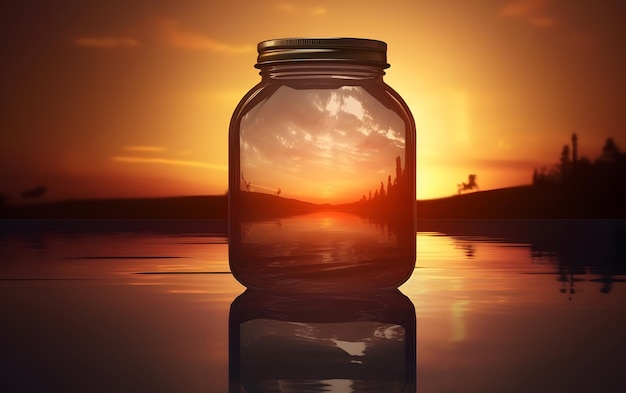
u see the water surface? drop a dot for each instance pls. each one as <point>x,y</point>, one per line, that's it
<point>500,306</point>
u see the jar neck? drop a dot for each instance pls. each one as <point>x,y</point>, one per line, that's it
<point>321,70</point>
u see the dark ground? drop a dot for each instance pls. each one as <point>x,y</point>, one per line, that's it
<point>527,202</point>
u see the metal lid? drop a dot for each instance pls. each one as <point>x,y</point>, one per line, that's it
<point>350,50</point>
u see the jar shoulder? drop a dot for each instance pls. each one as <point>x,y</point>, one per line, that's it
<point>321,92</point>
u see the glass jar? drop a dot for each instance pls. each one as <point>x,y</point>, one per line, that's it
<point>322,171</point>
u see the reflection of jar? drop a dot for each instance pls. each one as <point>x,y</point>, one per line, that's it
<point>322,171</point>
<point>339,343</point>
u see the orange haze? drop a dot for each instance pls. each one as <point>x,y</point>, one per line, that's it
<point>109,98</point>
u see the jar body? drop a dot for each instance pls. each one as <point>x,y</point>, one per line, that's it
<point>322,182</point>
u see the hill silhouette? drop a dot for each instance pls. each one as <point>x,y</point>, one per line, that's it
<point>262,201</point>
<point>576,187</point>
<point>523,202</point>
<point>505,203</point>
<point>207,207</point>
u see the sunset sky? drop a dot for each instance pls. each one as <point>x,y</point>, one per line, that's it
<point>321,145</point>
<point>134,98</point>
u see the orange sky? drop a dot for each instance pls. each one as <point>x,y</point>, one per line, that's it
<point>116,99</point>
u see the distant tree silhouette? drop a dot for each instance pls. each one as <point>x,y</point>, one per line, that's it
<point>610,152</point>
<point>565,163</point>
<point>561,173</point>
<point>574,149</point>
<point>584,187</point>
<point>582,171</point>
<point>389,207</point>
<point>398,169</point>
<point>389,197</point>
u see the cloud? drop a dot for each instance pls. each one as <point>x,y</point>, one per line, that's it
<point>150,149</point>
<point>166,161</point>
<point>522,8</point>
<point>106,42</point>
<point>339,139</point>
<point>177,36</point>
<point>532,12</point>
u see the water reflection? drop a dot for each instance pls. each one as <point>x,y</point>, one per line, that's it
<point>322,251</point>
<point>501,319</point>
<point>577,250</point>
<point>300,343</point>
<point>492,297</point>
